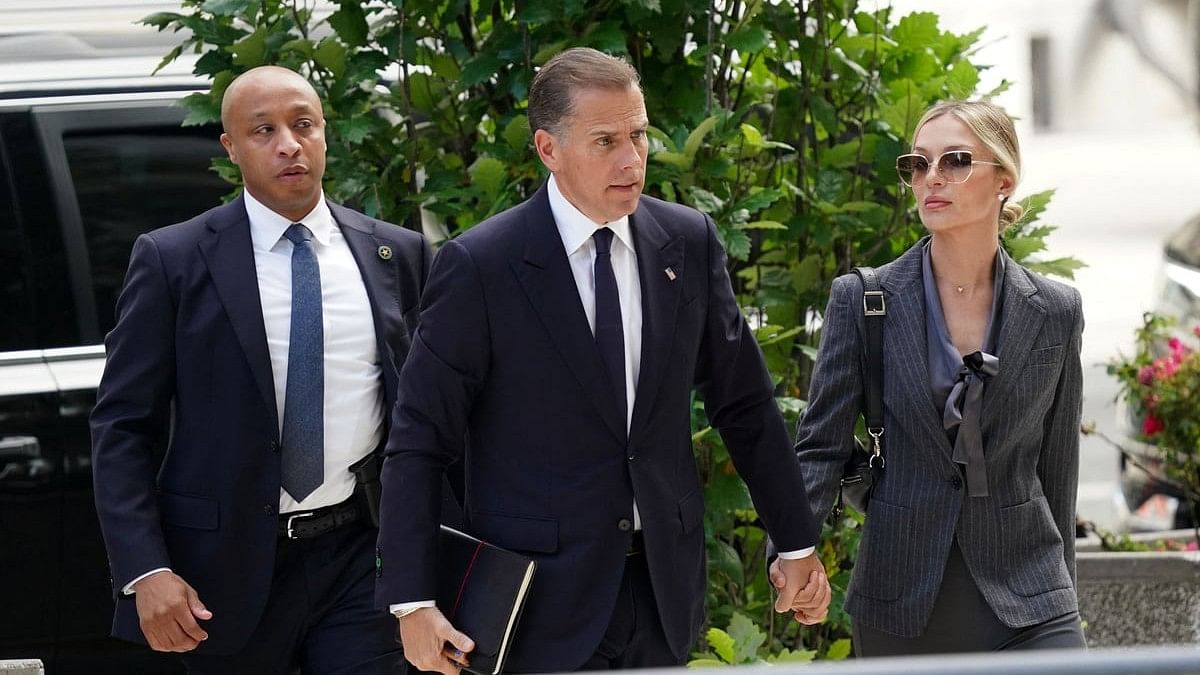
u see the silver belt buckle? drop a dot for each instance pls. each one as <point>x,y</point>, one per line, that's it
<point>292,519</point>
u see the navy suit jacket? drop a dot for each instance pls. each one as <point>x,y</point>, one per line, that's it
<point>185,440</point>
<point>504,356</point>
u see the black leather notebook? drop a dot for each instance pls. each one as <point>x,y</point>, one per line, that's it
<point>481,589</point>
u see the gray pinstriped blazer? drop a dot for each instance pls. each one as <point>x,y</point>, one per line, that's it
<point>1019,542</point>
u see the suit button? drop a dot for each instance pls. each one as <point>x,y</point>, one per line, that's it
<point>269,510</point>
<point>274,446</point>
<point>956,483</point>
<point>624,525</point>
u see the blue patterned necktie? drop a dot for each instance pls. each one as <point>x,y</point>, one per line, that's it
<point>610,335</point>
<point>304,402</point>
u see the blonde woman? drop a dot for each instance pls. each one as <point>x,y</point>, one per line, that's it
<point>969,540</point>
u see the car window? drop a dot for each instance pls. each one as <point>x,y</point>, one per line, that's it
<point>132,181</point>
<point>15,305</point>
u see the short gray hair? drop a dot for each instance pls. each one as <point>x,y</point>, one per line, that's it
<point>552,94</point>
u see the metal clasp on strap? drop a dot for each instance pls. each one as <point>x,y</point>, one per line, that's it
<point>870,308</point>
<point>876,433</point>
<point>292,518</point>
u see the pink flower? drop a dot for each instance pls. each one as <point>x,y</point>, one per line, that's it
<point>1151,425</point>
<point>1165,367</point>
<point>1196,330</point>
<point>1145,375</point>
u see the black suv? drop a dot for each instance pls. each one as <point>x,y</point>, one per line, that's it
<point>92,154</point>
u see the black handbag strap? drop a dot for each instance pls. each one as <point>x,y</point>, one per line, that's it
<point>874,310</point>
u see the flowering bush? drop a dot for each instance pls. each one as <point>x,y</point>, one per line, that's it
<point>1161,384</point>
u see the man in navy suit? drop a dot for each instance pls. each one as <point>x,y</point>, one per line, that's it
<point>559,345</point>
<point>255,355</point>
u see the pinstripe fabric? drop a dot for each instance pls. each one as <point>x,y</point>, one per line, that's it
<point>1012,540</point>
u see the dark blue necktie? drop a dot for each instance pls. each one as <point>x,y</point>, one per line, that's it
<point>610,336</point>
<point>304,402</point>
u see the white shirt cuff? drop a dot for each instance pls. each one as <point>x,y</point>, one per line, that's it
<point>796,555</point>
<point>409,607</point>
<point>128,590</point>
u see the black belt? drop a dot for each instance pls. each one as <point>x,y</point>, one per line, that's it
<point>309,524</point>
<point>636,544</point>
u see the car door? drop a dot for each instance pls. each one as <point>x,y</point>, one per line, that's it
<point>117,168</point>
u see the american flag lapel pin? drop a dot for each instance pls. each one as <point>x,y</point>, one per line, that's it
<point>670,273</point>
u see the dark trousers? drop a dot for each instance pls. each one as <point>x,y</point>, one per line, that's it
<point>962,621</point>
<point>320,616</point>
<point>634,638</point>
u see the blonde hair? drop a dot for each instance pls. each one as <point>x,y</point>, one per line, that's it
<point>994,128</point>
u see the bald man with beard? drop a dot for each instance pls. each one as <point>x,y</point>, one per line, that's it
<point>256,350</point>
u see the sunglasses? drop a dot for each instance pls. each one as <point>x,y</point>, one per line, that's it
<point>954,166</point>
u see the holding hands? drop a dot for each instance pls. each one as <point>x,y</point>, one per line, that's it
<point>803,588</point>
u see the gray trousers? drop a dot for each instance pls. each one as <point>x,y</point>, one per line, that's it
<point>962,621</point>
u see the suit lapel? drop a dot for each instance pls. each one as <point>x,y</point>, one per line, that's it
<point>905,353</point>
<point>1021,320</point>
<point>379,278</point>
<point>546,277</point>
<point>229,255</point>
<point>656,252</point>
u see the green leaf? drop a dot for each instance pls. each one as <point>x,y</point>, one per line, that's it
<point>350,23</point>
<point>171,56</point>
<point>737,244</point>
<point>1035,205</point>
<point>674,159</point>
<point>722,643</point>
<point>747,638</point>
<point>706,663</point>
<point>331,55</point>
<point>695,138</point>
<point>916,31</point>
<point>763,225</point>
<point>517,134</point>
<point>488,174</point>
<point>226,7</point>
<point>705,201</point>
<point>161,20</point>
<point>479,69</point>
<point>759,199</point>
<point>794,656</point>
<point>824,113</point>
<point>1059,267</point>
<point>962,80</point>
<point>839,650</point>
<point>353,130</point>
<point>752,135</point>
<point>536,11</point>
<point>606,36</point>
<point>251,50</point>
<point>748,39</point>
<point>652,5</point>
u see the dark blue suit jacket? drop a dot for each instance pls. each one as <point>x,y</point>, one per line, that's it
<point>504,356</point>
<point>189,374</point>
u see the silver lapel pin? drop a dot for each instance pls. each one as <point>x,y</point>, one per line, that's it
<point>385,252</point>
<point>670,273</point>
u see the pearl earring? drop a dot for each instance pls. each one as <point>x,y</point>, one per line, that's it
<point>1001,197</point>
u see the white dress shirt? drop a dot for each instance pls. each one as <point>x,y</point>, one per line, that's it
<point>353,376</point>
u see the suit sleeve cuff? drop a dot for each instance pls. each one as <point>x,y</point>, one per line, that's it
<point>406,608</point>
<point>128,589</point>
<point>796,555</point>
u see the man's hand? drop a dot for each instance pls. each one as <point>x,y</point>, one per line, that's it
<point>167,609</point>
<point>432,644</point>
<point>803,588</point>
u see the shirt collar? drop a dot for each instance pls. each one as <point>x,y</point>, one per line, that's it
<point>576,228</point>
<point>267,227</point>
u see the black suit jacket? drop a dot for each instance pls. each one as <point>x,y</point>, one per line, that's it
<point>504,356</point>
<point>188,372</point>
